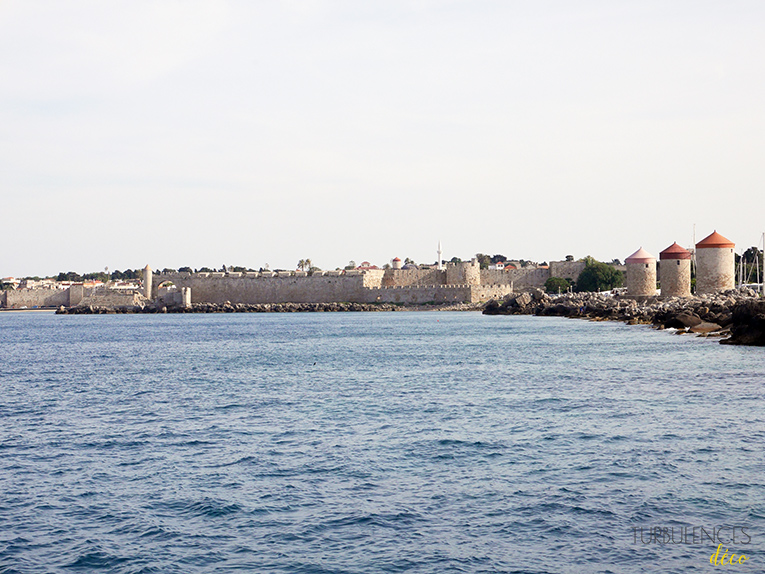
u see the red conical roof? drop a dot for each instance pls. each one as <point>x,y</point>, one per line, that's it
<point>640,256</point>
<point>674,251</point>
<point>714,241</point>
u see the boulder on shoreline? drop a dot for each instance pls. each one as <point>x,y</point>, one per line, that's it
<point>748,324</point>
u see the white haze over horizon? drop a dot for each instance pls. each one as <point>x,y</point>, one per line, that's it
<point>202,133</point>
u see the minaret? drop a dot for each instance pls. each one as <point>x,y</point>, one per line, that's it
<point>147,280</point>
<point>439,255</point>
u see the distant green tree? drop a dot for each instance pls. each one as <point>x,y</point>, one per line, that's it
<point>498,258</point>
<point>455,260</point>
<point>598,276</point>
<point>204,270</point>
<point>127,275</point>
<point>351,265</point>
<point>557,285</point>
<point>69,276</point>
<point>483,260</point>
<point>185,270</point>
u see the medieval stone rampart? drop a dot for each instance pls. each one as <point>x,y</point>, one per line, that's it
<point>566,269</point>
<point>416,295</point>
<point>418,286</point>
<point>111,298</point>
<point>480,293</point>
<point>523,278</point>
<point>408,277</point>
<point>461,282</point>
<point>31,298</point>
<point>253,289</point>
<point>464,273</point>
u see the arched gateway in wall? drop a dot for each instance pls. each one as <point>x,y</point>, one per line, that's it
<point>180,280</point>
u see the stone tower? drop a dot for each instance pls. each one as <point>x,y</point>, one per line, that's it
<point>675,271</point>
<point>641,274</point>
<point>396,263</point>
<point>147,280</point>
<point>715,264</point>
<point>464,273</point>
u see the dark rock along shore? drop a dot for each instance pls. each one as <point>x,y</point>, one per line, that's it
<point>736,314</point>
<point>228,307</point>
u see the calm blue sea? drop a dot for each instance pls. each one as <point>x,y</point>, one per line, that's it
<point>374,442</point>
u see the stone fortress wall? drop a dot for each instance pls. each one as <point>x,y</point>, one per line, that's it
<point>69,297</point>
<point>458,283</point>
<point>520,279</point>
<point>34,298</point>
<point>566,269</point>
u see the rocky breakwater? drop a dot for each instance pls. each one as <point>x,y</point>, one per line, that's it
<point>736,316</point>
<point>228,307</point>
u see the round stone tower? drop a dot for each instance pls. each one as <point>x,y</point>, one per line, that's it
<point>396,263</point>
<point>715,264</point>
<point>675,271</point>
<point>641,274</point>
<point>147,280</point>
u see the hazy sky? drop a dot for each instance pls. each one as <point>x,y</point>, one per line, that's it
<point>204,133</point>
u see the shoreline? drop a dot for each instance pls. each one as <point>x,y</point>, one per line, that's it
<point>270,308</point>
<point>738,315</point>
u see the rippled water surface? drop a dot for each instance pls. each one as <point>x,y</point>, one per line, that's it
<point>372,442</point>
